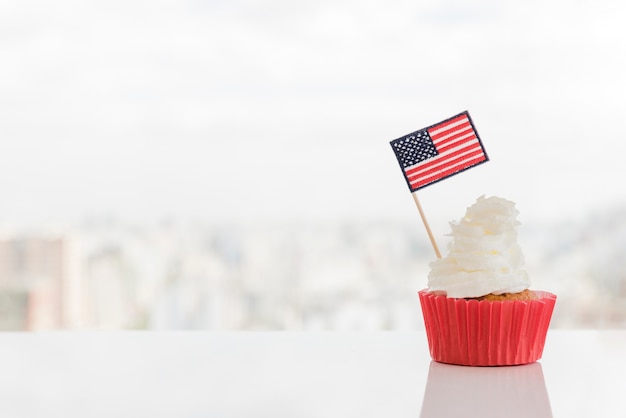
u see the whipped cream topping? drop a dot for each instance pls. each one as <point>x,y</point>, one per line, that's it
<point>484,255</point>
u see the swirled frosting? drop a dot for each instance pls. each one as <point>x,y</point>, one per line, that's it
<point>483,255</point>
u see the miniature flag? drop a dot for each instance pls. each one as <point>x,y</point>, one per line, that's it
<point>439,151</point>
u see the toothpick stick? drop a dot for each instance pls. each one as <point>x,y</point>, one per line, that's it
<point>428,231</point>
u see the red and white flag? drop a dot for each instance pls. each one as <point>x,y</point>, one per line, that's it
<point>439,151</point>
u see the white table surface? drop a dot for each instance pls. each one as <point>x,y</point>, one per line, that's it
<point>285,374</point>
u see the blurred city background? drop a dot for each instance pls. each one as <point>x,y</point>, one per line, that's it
<point>106,274</point>
<point>226,165</point>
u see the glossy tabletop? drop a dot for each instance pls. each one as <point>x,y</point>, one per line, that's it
<point>286,374</point>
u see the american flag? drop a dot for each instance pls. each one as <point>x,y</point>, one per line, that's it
<point>439,151</point>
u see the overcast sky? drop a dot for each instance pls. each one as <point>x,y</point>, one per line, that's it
<point>246,109</point>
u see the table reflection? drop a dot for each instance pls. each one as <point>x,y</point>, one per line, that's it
<point>515,391</point>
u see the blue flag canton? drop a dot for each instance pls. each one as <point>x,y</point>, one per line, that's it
<point>414,148</point>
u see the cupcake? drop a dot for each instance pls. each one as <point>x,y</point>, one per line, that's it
<point>479,309</point>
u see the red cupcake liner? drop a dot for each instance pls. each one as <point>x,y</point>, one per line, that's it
<point>469,332</point>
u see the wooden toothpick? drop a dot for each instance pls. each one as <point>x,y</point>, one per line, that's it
<point>428,231</point>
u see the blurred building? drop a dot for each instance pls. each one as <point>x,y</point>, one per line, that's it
<point>39,283</point>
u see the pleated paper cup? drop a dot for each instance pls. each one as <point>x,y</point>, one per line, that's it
<point>469,332</point>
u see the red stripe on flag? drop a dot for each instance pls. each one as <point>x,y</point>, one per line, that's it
<point>446,148</point>
<point>449,161</point>
<point>439,141</point>
<point>465,127</point>
<point>447,123</point>
<point>462,127</point>
<point>449,172</point>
